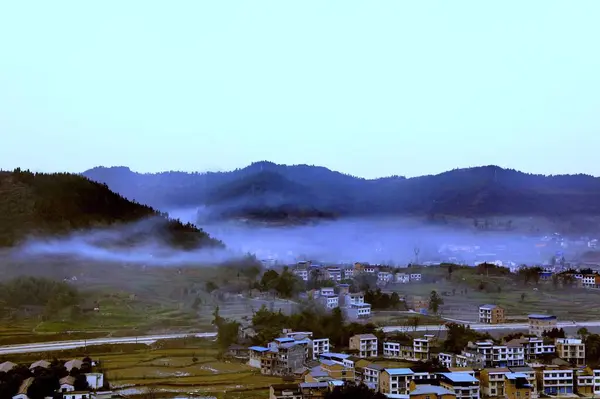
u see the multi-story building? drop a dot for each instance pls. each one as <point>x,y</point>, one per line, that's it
<point>329,301</point>
<point>517,386</point>
<point>402,278</point>
<point>539,323</point>
<point>428,391</point>
<point>555,381</point>
<point>463,385</point>
<point>470,358</point>
<point>372,374</point>
<point>348,273</point>
<point>491,314</point>
<point>530,374</point>
<point>533,348</point>
<point>357,298</point>
<point>571,349</point>
<point>327,291</point>
<point>365,344</point>
<point>355,312</point>
<point>281,357</point>
<point>415,277</point>
<point>422,347</point>
<point>384,277</point>
<point>492,381</point>
<point>596,374</point>
<point>515,356</point>
<point>395,381</point>
<point>338,371</point>
<point>333,273</point>
<point>301,272</point>
<point>320,345</point>
<point>584,382</point>
<point>285,391</point>
<point>398,350</point>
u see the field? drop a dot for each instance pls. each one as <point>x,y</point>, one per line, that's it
<point>174,368</point>
<point>518,299</point>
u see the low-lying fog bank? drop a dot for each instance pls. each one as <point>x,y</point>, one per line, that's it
<point>393,240</point>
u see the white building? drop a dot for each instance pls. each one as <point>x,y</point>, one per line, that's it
<point>384,277</point>
<point>333,273</point>
<point>320,346</point>
<point>356,312</point>
<point>556,381</point>
<point>327,291</point>
<point>329,301</point>
<point>571,349</point>
<point>402,278</point>
<point>302,273</point>
<point>415,277</point>
<point>365,344</point>
<point>95,380</point>
<point>348,273</point>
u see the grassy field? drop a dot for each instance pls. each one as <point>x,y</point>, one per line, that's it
<point>566,303</point>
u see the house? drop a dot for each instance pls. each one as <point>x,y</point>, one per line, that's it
<point>313,390</point>
<point>584,383</point>
<point>348,273</point>
<point>67,384</point>
<point>7,366</point>
<point>285,391</point>
<point>73,364</point>
<point>492,381</point>
<point>395,381</point>
<point>319,346</point>
<point>22,392</point>
<point>517,386</point>
<point>422,346</point>
<point>571,349</point>
<point>515,354</point>
<point>401,278</point>
<point>398,350</point>
<point>372,373</point>
<point>327,291</point>
<point>491,314</point>
<point>384,277</point>
<point>428,391</point>
<point>463,385</point>
<point>356,312</point>
<point>237,351</point>
<point>95,380</point>
<point>357,298</point>
<point>301,272</point>
<point>329,301</point>
<point>78,395</point>
<point>40,363</point>
<point>415,277</point>
<point>555,381</point>
<point>333,273</point>
<point>530,374</point>
<point>338,371</point>
<point>533,348</point>
<point>539,323</point>
<point>365,344</point>
<point>256,355</point>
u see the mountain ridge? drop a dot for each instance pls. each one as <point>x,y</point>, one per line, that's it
<point>40,205</point>
<point>468,192</point>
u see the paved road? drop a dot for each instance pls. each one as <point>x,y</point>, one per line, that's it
<point>148,339</point>
<point>490,327</point>
<point>62,345</point>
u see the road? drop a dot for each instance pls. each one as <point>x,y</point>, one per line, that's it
<point>489,327</point>
<point>62,345</point>
<point>149,339</point>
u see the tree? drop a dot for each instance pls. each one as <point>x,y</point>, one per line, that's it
<point>351,390</point>
<point>415,322</point>
<point>435,301</point>
<point>210,286</point>
<point>554,333</point>
<point>80,383</point>
<point>583,333</point>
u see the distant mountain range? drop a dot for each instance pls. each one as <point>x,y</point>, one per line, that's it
<point>266,190</point>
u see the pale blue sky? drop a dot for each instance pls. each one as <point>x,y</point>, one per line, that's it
<point>366,87</point>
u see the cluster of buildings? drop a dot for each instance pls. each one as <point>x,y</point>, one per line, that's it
<point>385,274</point>
<point>67,388</point>
<point>353,305</point>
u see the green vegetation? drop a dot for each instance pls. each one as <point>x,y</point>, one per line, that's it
<point>44,205</point>
<point>286,284</point>
<point>379,300</point>
<point>353,391</point>
<point>459,335</point>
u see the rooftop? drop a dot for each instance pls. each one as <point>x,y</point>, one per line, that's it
<point>399,371</point>
<point>541,316</point>
<point>488,307</point>
<point>460,377</point>
<point>430,390</point>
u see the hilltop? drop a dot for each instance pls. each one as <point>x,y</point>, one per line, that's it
<point>471,192</point>
<point>50,205</point>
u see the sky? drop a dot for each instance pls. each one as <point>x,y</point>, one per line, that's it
<point>370,88</point>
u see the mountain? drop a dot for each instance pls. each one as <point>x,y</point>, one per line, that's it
<point>47,205</point>
<point>470,192</point>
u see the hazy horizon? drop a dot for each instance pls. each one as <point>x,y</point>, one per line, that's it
<point>370,89</point>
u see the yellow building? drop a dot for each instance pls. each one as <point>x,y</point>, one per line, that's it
<point>395,381</point>
<point>517,386</point>
<point>430,392</point>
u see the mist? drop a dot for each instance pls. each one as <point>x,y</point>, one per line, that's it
<point>114,244</point>
<point>397,241</point>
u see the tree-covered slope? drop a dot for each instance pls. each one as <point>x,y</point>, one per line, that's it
<point>47,205</point>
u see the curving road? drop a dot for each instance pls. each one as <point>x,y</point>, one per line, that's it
<point>62,345</point>
<point>149,339</point>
